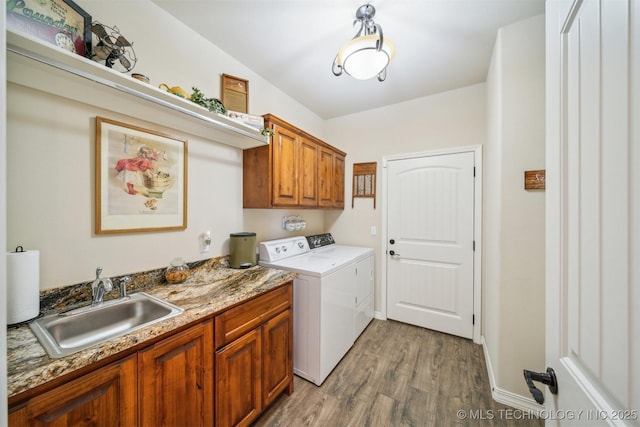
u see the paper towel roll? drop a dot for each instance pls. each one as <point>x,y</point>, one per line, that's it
<point>23,286</point>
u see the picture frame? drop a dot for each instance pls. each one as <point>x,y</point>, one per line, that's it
<point>141,179</point>
<point>535,180</point>
<point>234,93</point>
<point>60,22</point>
<point>364,182</point>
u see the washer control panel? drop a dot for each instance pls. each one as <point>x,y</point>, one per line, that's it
<point>320,240</point>
<point>275,250</point>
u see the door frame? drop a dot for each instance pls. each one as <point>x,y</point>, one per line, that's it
<point>477,228</point>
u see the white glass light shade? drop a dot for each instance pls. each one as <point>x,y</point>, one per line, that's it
<point>360,58</point>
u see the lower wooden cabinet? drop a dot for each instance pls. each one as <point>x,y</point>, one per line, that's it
<point>254,360</point>
<point>277,357</point>
<point>175,380</point>
<point>238,381</point>
<point>222,371</point>
<point>106,397</point>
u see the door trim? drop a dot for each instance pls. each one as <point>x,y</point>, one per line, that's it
<point>477,229</point>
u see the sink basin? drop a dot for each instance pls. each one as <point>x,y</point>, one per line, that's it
<point>66,333</point>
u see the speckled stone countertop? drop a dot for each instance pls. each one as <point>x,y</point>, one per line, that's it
<point>212,287</point>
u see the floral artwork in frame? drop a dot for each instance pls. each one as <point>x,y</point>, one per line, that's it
<point>141,179</point>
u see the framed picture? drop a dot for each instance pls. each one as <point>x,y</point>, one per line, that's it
<point>141,179</point>
<point>235,93</point>
<point>59,22</point>
<point>364,181</point>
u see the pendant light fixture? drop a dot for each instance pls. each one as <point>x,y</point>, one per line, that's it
<point>368,53</point>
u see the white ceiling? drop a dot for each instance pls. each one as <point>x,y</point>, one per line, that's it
<point>440,44</point>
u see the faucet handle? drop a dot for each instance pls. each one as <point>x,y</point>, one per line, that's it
<point>107,284</point>
<point>123,286</point>
<point>98,272</point>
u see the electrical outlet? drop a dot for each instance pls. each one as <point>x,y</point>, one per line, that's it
<point>205,241</point>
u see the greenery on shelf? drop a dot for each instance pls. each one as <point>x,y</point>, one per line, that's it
<point>266,132</point>
<point>212,104</point>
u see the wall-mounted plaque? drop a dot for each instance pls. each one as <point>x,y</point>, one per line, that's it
<point>364,181</point>
<point>235,93</point>
<point>534,180</point>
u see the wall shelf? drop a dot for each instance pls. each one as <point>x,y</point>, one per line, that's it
<point>41,66</point>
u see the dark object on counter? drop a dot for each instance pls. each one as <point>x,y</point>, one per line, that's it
<point>242,250</point>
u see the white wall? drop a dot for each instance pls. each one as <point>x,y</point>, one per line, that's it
<point>50,143</point>
<point>451,119</point>
<point>513,285</point>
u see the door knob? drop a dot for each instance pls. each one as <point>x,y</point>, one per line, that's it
<point>393,253</point>
<point>548,378</point>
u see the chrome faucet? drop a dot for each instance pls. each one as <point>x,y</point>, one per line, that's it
<point>99,287</point>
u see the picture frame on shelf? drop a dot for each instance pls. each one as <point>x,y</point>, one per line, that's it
<point>141,179</point>
<point>60,22</point>
<point>235,93</point>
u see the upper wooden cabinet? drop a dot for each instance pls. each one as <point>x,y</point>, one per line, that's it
<point>331,179</point>
<point>295,170</point>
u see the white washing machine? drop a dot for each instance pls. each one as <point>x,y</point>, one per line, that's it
<point>333,298</point>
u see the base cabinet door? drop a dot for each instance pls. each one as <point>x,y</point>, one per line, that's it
<point>238,381</point>
<point>176,380</point>
<point>106,397</point>
<point>277,357</point>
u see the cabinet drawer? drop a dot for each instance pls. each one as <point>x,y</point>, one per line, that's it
<point>239,320</point>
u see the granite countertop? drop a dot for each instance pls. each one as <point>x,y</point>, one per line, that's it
<point>207,291</point>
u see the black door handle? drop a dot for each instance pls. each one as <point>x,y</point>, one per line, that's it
<point>392,241</point>
<point>548,378</point>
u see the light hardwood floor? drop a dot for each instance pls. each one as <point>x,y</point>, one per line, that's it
<point>399,375</point>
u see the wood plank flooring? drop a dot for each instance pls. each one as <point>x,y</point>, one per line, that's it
<point>399,375</point>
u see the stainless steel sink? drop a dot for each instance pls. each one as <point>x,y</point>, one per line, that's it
<point>66,333</point>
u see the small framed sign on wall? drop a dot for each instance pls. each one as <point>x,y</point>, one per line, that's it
<point>535,180</point>
<point>364,181</point>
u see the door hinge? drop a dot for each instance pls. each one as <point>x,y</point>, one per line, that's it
<point>473,319</point>
<point>474,171</point>
<point>474,245</point>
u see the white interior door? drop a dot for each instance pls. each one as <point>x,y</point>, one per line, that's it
<point>430,215</point>
<point>593,220</point>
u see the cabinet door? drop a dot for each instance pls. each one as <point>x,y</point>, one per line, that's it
<point>325,178</point>
<point>285,167</point>
<point>176,379</point>
<point>308,173</point>
<point>106,397</point>
<point>239,381</point>
<point>338,181</point>
<point>278,356</point>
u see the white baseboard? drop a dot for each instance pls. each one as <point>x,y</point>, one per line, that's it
<point>506,397</point>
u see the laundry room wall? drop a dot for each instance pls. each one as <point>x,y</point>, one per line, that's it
<point>514,272</point>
